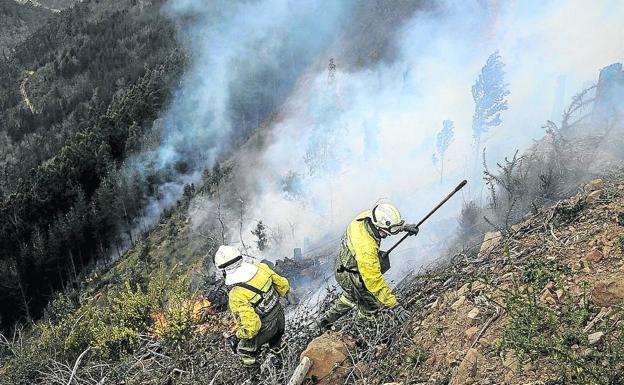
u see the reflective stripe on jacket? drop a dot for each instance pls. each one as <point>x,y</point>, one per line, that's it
<point>242,301</point>
<point>360,251</point>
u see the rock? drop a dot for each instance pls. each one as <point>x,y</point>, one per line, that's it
<point>469,369</point>
<point>471,333</point>
<point>507,277</point>
<point>435,304</point>
<point>452,358</point>
<point>548,298</point>
<point>594,338</point>
<point>462,290</point>
<point>478,286</point>
<point>485,342</point>
<point>594,185</point>
<point>473,314</point>
<point>393,383</point>
<point>429,362</point>
<point>490,240</point>
<point>327,353</point>
<point>609,292</point>
<point>457,304</point>
<point>592,196</point>
<point>594,255</point>
<point>511,363</point>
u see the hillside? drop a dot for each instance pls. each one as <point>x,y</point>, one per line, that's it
<point>137,136</point>
<point>18,22</point>
<point>534,300</point>
<point>79,96</point>
<point>539,304</point>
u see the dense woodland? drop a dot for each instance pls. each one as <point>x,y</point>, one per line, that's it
<point>96,76</point>
<point>18,21</point>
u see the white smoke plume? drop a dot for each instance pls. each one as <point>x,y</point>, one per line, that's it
<point>371,132</point>
<point>347,137</point>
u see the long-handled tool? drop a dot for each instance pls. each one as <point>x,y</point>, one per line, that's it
<point>459,187</point>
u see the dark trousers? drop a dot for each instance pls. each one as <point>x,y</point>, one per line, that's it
<point>355,295</point>
<point>271,332</point>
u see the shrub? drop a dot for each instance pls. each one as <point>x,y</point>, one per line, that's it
<point>535,330</point>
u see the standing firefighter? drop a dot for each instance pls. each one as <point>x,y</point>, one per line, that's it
<point>360,265</point>
<point>254,291</point>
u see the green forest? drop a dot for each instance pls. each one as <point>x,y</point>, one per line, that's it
<point>77,98</point>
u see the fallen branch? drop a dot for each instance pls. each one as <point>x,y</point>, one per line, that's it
<point>487,325</point>
<point>73,373</point>
<point>300,372</point>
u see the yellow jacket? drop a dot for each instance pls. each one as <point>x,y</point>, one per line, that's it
<point>241,300</point>
<point>365,249</point>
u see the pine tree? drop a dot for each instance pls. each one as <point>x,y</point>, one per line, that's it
<point>261,233</point>
<point>489,94</point>
<point>443,140</point>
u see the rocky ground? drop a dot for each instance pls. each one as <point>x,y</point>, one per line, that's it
<point>540,305</point>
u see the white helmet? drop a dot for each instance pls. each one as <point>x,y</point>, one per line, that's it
<point>230,261</point>
<point>387,218</point>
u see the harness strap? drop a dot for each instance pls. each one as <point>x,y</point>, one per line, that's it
<point>342,269</point>
<point>254,290</point>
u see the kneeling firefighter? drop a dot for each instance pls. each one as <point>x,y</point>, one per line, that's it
<point>254,291</point>
<point>360,265</point>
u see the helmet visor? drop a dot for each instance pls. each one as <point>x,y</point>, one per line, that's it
<point>393,229</point>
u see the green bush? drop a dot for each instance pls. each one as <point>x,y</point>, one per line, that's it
<point>112,326</point>
<point>540,333</point>
<point>416,356</point>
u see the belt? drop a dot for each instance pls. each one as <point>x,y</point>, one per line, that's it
<point>342,269</point>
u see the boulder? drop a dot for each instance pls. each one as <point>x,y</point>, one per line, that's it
<point>490,240</point>
<point>327,353</point>
<point>609,292</point>
<point>469,369</point>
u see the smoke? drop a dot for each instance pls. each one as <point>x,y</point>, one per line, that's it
<point>350,137</point>
<point>331,140</point>
<point>245,57</point>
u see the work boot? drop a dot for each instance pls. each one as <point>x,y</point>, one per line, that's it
<point>275,360</point>
<point>324,325</point>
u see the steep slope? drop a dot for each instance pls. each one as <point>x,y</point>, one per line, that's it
<point>79,96</point>
<point>18,21</point>
<point>538,304</point>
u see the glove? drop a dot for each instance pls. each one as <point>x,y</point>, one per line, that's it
<point>401,314</point>
<point>233,342</point>
<point>291,298</point>
<point>384,261</point>
<point>410,229</point>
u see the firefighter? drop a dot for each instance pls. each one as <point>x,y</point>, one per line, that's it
<point>254,291</point>
<point>360,266</point>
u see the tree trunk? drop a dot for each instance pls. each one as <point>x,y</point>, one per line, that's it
<point>441,167</point>
<point>73,266</point>
<point>477,151</point>
<point>22,290</point>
